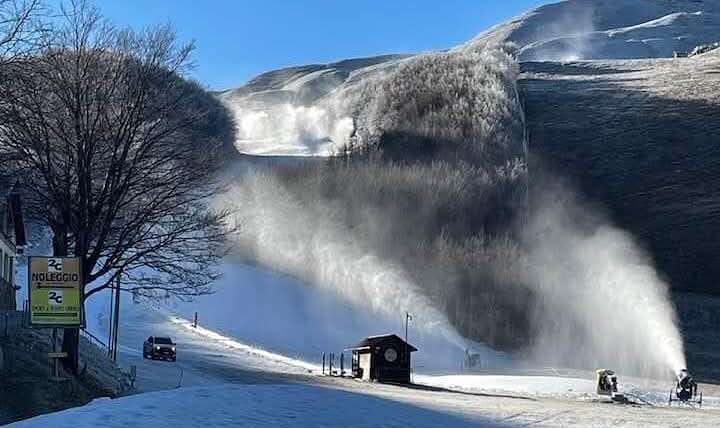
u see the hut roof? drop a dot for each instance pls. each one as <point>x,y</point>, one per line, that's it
<point>373,341</point>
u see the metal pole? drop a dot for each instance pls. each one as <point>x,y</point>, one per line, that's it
<point>56,360</point>
<point>407,346</point>
<point>111,319</point>
<point>407,319</point>
<point>117,318</point>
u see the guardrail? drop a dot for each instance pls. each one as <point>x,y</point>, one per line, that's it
<point>11,321</point>
<point>94,339</point>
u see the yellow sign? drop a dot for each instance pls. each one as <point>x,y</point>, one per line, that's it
<point>55,291</point>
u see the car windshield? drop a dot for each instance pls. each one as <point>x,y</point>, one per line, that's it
<point>163,341</point>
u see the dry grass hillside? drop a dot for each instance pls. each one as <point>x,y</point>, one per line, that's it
<point>641,138</point>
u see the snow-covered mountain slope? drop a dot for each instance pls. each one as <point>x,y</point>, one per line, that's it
<point>304,84</point>
<point>608,29</point>
<point>297,111</point>
<point>313,109</point>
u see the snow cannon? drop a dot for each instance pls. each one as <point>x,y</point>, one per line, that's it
<point>686,390</point>
<point>472,360</point>
<point>606,382</point>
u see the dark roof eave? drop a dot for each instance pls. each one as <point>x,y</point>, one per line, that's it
<point>358,348</point>
<point>373,340</point>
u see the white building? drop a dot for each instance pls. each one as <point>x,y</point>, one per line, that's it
<point>12,240</point>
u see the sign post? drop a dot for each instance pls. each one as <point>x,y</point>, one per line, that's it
<point>55,355</point>
<point>56,298</point>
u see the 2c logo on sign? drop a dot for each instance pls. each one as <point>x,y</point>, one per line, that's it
<point>55,265</point>
<point>55,297</point>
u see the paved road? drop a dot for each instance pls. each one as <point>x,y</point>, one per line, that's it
<point>201,360</point>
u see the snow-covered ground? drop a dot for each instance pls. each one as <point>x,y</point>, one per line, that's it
<point>204,357</point>
<point>281,314</point>
<point>347,403</point>
<point>539,386</point>
<point>250,406</point>
<point>558,386</point>
<point>229,382</point>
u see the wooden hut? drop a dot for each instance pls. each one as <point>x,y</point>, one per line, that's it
<point>384,358</point>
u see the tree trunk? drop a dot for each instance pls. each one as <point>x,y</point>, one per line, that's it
<point>71,336</point>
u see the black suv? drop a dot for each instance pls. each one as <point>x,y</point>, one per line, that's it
<point>159,347</point>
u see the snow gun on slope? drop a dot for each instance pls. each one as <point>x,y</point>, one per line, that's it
<point>607,384</point>
<point>686,390</point>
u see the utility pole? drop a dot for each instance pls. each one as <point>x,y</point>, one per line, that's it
<point>408,317</point>
<point>117,318</point>
<point>111,320</point>
<point>114,318</point>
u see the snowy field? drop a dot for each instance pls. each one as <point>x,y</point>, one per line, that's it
<point>227,381</point>
<point>251,384</point>
<point>639,391</point>
<point>546,386</point>
<point>346,403</point>
<point>256,406</point>
<point>280,314</point>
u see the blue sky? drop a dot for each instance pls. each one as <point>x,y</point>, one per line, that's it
<point>238,39</point>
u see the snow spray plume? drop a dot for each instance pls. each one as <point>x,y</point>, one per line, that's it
<point>566,38</point>
<point>279,230</point>
<point>601,301</point>
<point>290,129</point>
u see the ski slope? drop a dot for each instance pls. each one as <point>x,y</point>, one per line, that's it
<point>259,322</point>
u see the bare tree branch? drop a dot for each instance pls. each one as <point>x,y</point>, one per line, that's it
<point>99,126</point>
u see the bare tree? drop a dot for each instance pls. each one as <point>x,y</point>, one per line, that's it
<point>17,31</point>
<point>97,128</point>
